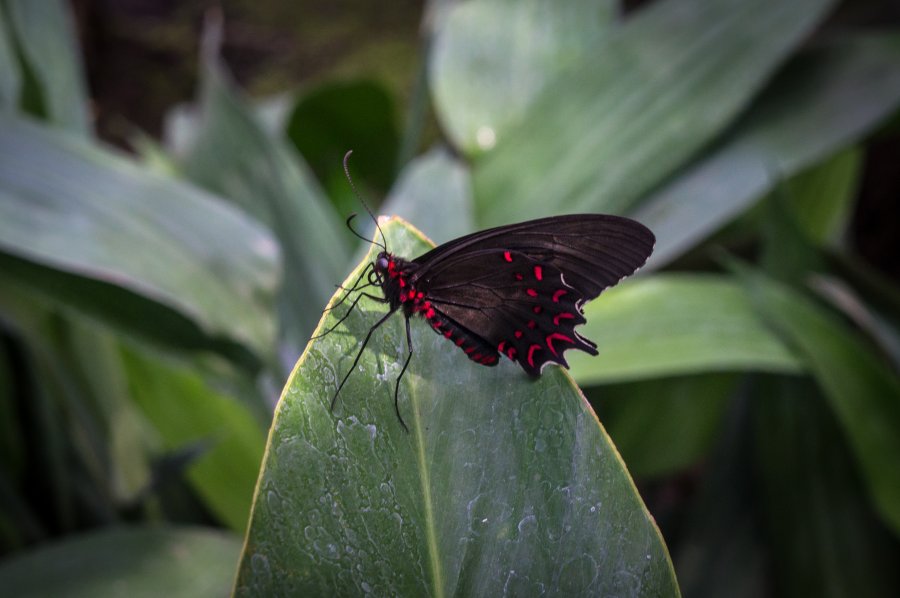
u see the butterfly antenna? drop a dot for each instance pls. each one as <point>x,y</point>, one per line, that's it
<point>363,202</point>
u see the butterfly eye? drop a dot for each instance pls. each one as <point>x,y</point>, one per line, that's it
<point>381,264</point>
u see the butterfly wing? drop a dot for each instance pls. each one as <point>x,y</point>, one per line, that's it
<point>520,288</point>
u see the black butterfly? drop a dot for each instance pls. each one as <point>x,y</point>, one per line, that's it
<point>515,290</point>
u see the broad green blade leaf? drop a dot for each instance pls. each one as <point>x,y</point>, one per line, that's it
<point>722,551</point>
<point>434,190</point>
<point>127,561</point>
<point>185,410</point>
<point>233,156</point>
<point>336,117</point>
<point>814,108</point>
<point>676,324</point>
<point>503,484</point>
<point>822,197</point>
<point>641,102</point>
<point>665,425</point>
<point>86,217</point>
<point>10,71</point>
<point>825,541</point>
<point>46,41</point>
<point>490,59</point>
<point>862,390</point>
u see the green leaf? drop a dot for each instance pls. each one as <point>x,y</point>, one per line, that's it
<point>490,59</point>
<point>135,562</point>
<point>665,425</point>
<point>813,109</point>
<point>10,72</point>
<point>824,539</point>
<point>503,484</point>
<point>233,156</point>
<point>861,389</point>
<point>46,41</point>
<point>676,324</point>
<point>434,191</point>
<point>334,118</point>
<point>821,197</point>
<point>642,101</point>
<point>185,409</point>
<point>82,222</point>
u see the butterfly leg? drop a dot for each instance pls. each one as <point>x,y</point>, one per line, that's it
<point>400,377</point>
<point>349,311</point>
<point>355,287</point>
<point>361,349</point>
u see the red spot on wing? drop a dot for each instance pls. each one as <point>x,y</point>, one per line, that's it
<point>511,352</point>
<point>507,256</point>
<point>519,276</point>
<point>532,324</point>
<point>460,341</point>
<point>536,309</point>
<point>429,313</point>
<point>469,350</point>
<point>558,294</point>
<point>559,337</point>
<point>517,334</point>
<point>564,316</point>
<point>538,273</point>
<point>531,351</point>
<point>501,345</point>
<point>448,334</point>
<point>531,292</point>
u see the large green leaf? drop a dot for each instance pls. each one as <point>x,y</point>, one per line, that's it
<point>825,99</point>
<point>46,41</point>
<point>232,155</point>
<point>135,562</point>
<point>185,410</point>
<point>503,484</point>
<point>641,102</point>
<point>81,222</point>
<point>664,425</point>
<point>676,324</point>
<point>862,390</point>
<point>490,59</point>
<point>824,538</point>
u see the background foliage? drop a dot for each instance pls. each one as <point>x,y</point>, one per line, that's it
<point>154,300</point>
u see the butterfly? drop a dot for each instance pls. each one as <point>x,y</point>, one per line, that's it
<point>516,291</point>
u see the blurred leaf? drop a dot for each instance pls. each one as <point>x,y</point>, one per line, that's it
<point>434,191</point>
<point>233,156</point>
<point>503,484</point>
<point>78,219</point>
<point>334,118</point>
<point>822,196</point>
<point>663,426</point>
<point>879,328</point>
<point>10,73</point>
<point>46,41</point>
<point>127,561</point>
<point>722,552</point>
<point>184,409</point>
<point>862,390</point>
<point>812,109</point>
<point>490,59</point>
<point>823,538</point>
<point>639,104</point>
<point>676,324</point>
